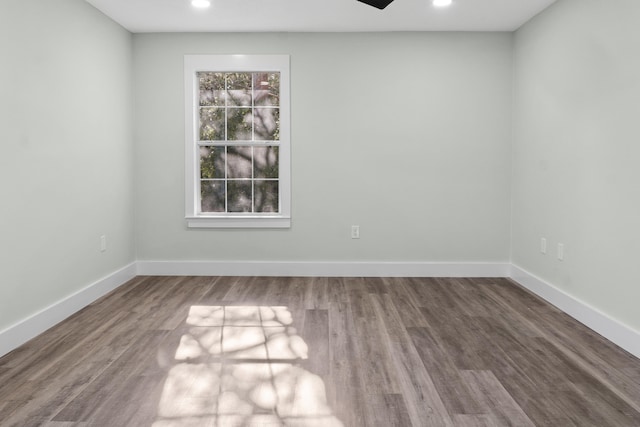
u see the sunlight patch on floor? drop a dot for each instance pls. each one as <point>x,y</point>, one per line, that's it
<point>239,366</point>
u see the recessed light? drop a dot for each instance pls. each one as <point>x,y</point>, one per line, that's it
<point>200,4</point>
<point>441,3</point>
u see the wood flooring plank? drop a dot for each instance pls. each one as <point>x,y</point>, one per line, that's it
<point>187,293</point>
<point>9,407</point>
<point>550,410</point>
<point>350,405</point>
<point>145,390</point>
<point>152,310</point>
<point>337,291</point>
<point>432,294</point>
<point>372,354</point>
<point>374,359</point>
<point>460,339</point>
<point>344,385</point>
<point>219,290</point>
<point>600,404</point>
<point>54,362</point>
<point>494,399</point>
<point>257,291</point>
<point>316,337</point>
<point>450,386</point>
<point>240,290</point>
<point>142,296</point>
<point>317,293</point>
<point>558,330</point>
<point>475,420</point>
<point>632,372</point>
<point>376,285</point>
<point>516,356</point>
<point>77,325</point>
<point>106,388</point>
<point>580,412</point>
<point>296,302</point>
<point>342,346</point>
<point>471,294</point>
<point>422,399</point>
<point>4,373</point>
<point>358,297</point>
<point>278,291</point>
<point>437,306</point>
<point>52,395</point>
<point>405,301</point>
<point>63,424</point>
<point>374,369</point>
<point>423,287</point>
<point>387,410</point>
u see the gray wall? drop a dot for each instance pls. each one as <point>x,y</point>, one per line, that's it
<point>576,174</point>
<point>65,152</point>
<point>405,134</point>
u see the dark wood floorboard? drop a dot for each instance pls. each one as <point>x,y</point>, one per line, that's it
<point>330,352</point>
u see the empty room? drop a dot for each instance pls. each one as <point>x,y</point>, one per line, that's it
<point>338,213</point>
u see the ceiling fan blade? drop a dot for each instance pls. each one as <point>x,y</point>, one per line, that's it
<point>380,4</point>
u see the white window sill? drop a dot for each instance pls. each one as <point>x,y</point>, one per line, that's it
<point>238,222</point>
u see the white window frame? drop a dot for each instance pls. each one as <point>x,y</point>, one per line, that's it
<point>235,63</point>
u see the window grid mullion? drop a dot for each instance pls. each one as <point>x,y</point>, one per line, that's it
<point>253,138</point>
<point>253,106</point>
<point>226,143</point>
<point>226,147</point>
<point>226,180</point>
<point>258,143</point>
<point>253,180</point>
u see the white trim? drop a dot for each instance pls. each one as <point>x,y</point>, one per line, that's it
<point>232,63</point>
<point>323,269</point>
<point>18,334</point>
<point>613,330</point>
<point>239,222</point>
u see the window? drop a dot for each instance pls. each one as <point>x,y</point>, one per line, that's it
<point>237,141</point>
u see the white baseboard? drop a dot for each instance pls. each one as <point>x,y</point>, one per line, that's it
<point>323,269</point>
<point>613,330</point>
<point>616,332</point>
<point>18,334</point>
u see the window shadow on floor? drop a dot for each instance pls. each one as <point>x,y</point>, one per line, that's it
<point>241,366</point>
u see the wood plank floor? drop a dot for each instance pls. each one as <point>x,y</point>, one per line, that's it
<point>269,351</point>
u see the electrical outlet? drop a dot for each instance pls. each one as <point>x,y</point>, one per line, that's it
<point>543,245</point>
<point>103,243</point>
<point>355,231</point>
<point>560,252</point>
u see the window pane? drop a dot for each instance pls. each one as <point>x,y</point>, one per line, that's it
<point>265,162</point>
<point>211,124</point>
<point>239,162</point>
<point>239,124</point>
<point>239,89</point>
<point>212,162</point>
<point>239,196</point>
<point>211,89</point>
<point>212,196</point>
<point>267,124</point>
<point>266,88</point>
<point>266,196</point>
<point>237,148</point>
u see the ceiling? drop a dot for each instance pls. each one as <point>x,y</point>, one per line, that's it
<point>143,16</point>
